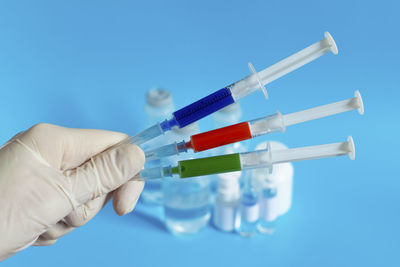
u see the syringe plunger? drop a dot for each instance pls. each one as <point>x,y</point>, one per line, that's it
<point>314,152</point>
<point>257,81</point>
<point>268,157</point>
<point>326,110</point>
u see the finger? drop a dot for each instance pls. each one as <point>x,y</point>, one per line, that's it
<point>68,148</point>
<point>87,211</point>
<point>44,242</point>
<point>55,232</point>
<point>18,135</point>
<point>126,196</point>
<point>105,172</point>
<point>82,144</point>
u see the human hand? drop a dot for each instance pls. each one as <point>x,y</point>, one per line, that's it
<point>54,179</point>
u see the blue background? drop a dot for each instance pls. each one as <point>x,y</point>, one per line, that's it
<point>88,64</point>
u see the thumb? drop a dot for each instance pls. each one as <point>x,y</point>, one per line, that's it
<point>104,172</point>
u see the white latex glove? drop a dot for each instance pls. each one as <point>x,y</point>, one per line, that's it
<point>53,179</point>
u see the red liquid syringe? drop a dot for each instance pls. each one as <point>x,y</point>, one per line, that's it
<point>249,129</point>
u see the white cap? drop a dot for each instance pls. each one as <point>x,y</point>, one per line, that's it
<point>158,97</point>
<point>159,105</point>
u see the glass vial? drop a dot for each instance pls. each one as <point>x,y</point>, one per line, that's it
<point>249,207</point>
<point>275,191</point>
<point>226,202</point>
<point>268,210</point>
<point>187,207</point>
<point>226,186</point>
<point>159,106</point>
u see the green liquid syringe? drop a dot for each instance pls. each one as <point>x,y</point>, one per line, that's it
<point>249,160</point>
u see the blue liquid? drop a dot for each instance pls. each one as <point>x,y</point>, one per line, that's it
<point>199,109</point>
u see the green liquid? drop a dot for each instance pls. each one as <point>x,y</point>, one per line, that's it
<point>207,166</point>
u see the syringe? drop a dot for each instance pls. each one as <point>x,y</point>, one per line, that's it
<point>234,92</point>
<point>249,160</point>
<point>250,129</point>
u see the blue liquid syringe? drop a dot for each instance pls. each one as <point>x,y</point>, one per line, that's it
<point>232,93</point>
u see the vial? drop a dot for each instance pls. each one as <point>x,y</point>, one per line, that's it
<point>275,191</point>
<point>269,210</point>
<point>159,106</point>
<point>187,207</point>
<point>226,202</point>
<point>249,207</point>
<point>226,186</point>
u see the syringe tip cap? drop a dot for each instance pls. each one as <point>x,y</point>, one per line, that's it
<point>351,147</point>
<point>359,102</point>
<point>332,43</point>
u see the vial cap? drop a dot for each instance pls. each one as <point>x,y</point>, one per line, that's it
<point>158,97</point>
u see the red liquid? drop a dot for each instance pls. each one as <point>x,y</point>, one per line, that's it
<point>220,137</point>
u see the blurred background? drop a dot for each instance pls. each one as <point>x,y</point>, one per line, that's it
<point>89,64</point>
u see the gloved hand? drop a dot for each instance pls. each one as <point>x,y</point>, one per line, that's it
<point>53,179</point>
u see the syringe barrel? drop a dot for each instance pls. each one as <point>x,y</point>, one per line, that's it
<point>209,165</point>
<point>220,137</point>
<point>146,135</point>
<point>244,87</point>
<point>256,159</point>
<point>267,124</point>
<point>156,173</point>
<point>166,151</point>
<point>200,109</point>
